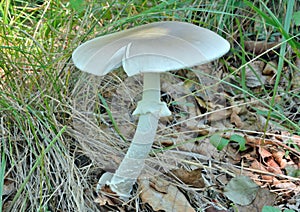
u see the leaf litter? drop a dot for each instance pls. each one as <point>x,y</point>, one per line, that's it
<point>262,158</point>
<point>202,112</point>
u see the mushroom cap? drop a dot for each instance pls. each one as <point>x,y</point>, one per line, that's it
<point>154,47</point>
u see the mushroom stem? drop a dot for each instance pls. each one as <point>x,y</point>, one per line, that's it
<point>150,108</point>
<point>150,102</point>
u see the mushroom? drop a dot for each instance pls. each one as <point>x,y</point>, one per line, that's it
<point>149,50</point>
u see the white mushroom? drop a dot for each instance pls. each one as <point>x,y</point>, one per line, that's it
<point>149,49</point>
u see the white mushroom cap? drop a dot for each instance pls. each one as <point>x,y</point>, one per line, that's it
<point>155,47</point>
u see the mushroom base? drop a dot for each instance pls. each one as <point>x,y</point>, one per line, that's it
<point>150,108</point>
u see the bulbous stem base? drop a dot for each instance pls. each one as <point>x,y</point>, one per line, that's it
<point>149,109</point>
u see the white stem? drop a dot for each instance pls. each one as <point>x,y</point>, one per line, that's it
<point>150,108</point>
<point>133,162</point>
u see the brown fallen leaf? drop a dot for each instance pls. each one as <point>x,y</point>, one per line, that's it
<point>258,47</point>
<point>264,153</point>
<point>272,166</point>
<point>288,186</point>
<point>254,76</point>
<point>279,158</point>
<point>103,200</point>
<point>219,115</point>
<point>296,139</point>
<point>258,166</point>
<point>105,195</point>
<point>193,177</point>
<point>8,187</point>
<point>270,68</point>
<point>170,200</point>
<point>236,120</point>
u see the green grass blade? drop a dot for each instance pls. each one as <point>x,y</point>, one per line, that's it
<point>2,172</point>
<point>272,20</point>
<point>287,24</point>
<point>36,164</point>
<point>113,121</point>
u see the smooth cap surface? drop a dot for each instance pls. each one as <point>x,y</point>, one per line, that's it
<point>155,47</point>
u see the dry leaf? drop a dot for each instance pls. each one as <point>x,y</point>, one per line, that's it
<point>8,187</point>
<point>103,200</point>
<point>272,166</point>
<point>252,140</point>
<point>278,156</point>
<point>236,120</point>
<point>270,68</point>
<point>110,201</point>
<point>259,47</point>
<point>170,200</point>
<point>254,77</point>
<point>296,139</point>
<point>267,178</point>
<point>264,153</point>
<point>204,147</point>
<point>193,177</point>
<point>288,186</point>
<point>219,115</point>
